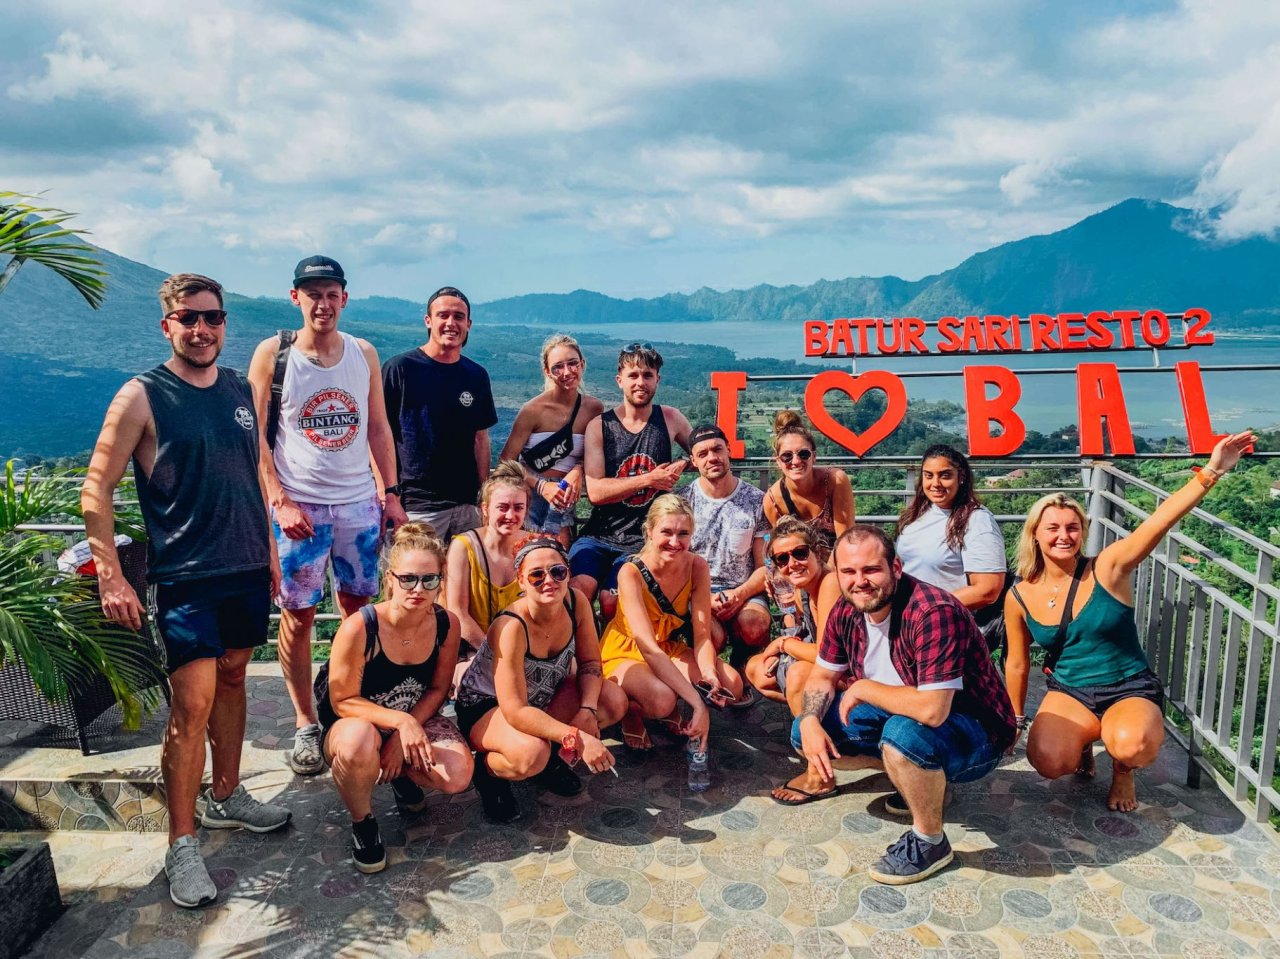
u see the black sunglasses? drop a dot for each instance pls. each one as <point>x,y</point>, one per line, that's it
<point>190,318</point>
<point>802,455</point>
<point>429,581</point>
<point>558,573</point>
<point>800,554</point>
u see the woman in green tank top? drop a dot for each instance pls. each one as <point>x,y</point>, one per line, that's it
<point>1100,685</point>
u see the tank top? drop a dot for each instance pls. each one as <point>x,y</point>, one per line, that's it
<point>201,502</point>
<point>322,447</point>
<point>485,599</point>
<point>542,676</point>
<point>823,525</point>
<point>391,685</point>
<point>621,524</point>
<point>1101,644</point>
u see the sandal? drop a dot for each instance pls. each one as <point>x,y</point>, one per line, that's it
<point>672,723</point>
<point>805,795</point>
<point>748,698</point>
<point>634,734</point>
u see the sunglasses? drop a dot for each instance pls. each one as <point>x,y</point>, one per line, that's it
<point>800,554</point>
<point>638,347</point>
<point>190,318</point>
<point>566,366</point>
<point>802,455</point>
<point>558,573</point>
<point>410,581</point>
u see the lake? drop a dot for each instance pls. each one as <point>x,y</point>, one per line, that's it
<point>1236,399</point>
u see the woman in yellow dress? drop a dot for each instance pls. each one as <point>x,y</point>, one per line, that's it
<point>658,646</point>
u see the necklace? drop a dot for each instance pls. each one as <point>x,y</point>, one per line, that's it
<point>1053,600</point>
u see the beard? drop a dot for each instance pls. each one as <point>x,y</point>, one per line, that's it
<point>180,353</point>
<point>871,601</point>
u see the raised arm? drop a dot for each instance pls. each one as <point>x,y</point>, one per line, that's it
<point>126,429</point>
<point>1115,565</point>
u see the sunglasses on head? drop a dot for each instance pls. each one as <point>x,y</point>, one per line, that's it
<point>190,318</point>
<point>558,573</point>
<point>638,347</point>
<point>410,581</point>
<point>803,455</point>
<point>800,554</point>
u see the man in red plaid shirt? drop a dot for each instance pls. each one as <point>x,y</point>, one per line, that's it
<point>923,699</point>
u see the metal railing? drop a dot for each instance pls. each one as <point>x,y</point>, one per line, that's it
<point>1215,654</point>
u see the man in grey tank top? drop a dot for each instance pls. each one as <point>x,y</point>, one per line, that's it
<point>626,463</point>
<point>331,424</point>
<point>189,428</point>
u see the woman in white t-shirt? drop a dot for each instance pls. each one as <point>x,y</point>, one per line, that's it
<point>946,537</point>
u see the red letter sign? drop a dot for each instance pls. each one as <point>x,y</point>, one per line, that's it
<point>1101,398</point>
<point>981,411</point>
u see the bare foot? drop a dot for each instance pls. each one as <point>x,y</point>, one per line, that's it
<point>1088,767</point>
<point>1124,791</point>
<point>803,788</point>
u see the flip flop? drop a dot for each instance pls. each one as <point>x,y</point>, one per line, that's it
<point>806,796</point>
<point>672,723</point>
<point>633,739</point>
<point>748,698</point>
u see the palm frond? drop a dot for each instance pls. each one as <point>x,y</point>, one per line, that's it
<point>35,234</point>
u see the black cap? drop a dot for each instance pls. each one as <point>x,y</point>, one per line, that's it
<point>318,268</point>
<point>707,432</point>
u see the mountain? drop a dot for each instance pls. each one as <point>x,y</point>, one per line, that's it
<point>62,362</point>
<point>1137,254</point>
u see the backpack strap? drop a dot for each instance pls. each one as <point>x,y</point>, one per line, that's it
<point>371,639</point>
<point>277,385</point>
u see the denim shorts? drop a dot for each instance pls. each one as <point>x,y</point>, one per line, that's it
<point>1098,699</point>
<point>589,556</point>
<point>348,533</point>
<point>203,618</point>
<point>960,747</point>
<point>544,519</point>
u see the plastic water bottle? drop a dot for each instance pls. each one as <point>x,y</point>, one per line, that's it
<point>699,772</point>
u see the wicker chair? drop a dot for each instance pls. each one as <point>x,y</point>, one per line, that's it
<point>88,706</point>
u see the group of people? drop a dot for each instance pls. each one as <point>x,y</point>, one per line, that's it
<point>325,461</point>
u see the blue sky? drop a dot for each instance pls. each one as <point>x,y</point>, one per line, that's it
<point>631,149</point>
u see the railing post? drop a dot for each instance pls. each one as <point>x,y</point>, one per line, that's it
<point>1098,507</point>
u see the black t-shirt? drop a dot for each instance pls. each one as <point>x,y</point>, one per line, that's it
<point>436,409</point>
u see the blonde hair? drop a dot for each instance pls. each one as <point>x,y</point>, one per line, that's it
<point>506,473</point>
<point>552,341</point>
<point>789,423</point>
<point>409,538</point>
<point>1029,559</point>
<point>668,504</point>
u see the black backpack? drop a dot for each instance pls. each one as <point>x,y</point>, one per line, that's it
<point>277,385</point>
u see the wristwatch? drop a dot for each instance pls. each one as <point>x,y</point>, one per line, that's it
<point>392,490</point>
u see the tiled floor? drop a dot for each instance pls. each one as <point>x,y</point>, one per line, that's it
<point>637,866</point>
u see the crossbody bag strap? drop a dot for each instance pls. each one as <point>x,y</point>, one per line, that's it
<point>285,343</point>
<point>655,589</point>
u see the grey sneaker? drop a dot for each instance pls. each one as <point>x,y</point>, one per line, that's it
<point>307,757</point>
<point>911,859</point>
<point>241,809</point>
<point>189,882</point>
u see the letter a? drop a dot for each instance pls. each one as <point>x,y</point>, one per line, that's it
<point>1101,398</point>
<point>981,411</point>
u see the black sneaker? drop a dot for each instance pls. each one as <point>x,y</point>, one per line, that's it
<point>895,805</point>
<point>558,777</point>
<point>367,851</point>
<point>496,797</point>
<point>911,859</point>
<point>410,797</point>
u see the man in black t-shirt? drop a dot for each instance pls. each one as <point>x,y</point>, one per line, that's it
<point>440,408</point>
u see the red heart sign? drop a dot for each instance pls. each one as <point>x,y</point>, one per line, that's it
<point>853,387</point>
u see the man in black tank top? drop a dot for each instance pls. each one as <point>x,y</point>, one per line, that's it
<point>626,462</point>
<point>189,428</point>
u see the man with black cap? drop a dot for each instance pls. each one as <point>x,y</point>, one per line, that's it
<point>728,532</point>
<point>440,407</point>
<point>330,422</point>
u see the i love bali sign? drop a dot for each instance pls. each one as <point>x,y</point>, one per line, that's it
<point>992,392</point>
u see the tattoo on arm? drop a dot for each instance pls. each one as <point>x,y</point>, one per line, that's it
<point>815,703</point>
<point>589,669</point>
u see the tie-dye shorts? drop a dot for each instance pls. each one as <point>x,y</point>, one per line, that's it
<point>349,533</point>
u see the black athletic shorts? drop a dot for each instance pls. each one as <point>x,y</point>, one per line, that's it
<point>1098,699</point>
<point>472,713</point>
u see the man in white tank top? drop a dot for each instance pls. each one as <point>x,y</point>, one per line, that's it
<point>325,506</point>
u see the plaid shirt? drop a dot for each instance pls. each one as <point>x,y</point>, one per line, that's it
<point>932,639</point>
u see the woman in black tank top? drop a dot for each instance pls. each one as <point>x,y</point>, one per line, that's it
<point>380,694</point>
<point>820,496</point>
<point>521,706</point>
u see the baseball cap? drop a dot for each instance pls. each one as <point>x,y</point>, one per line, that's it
<point>318,268</point>
<point>706,432</point>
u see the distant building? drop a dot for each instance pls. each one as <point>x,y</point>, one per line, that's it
<point>992,481</point>
<point>1275,490</point>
